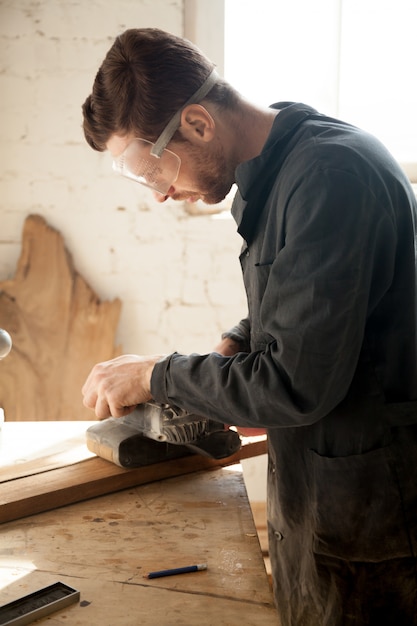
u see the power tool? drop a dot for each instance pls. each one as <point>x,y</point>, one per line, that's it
<point>155,432</point>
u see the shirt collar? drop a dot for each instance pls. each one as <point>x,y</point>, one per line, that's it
<point>256,176</point>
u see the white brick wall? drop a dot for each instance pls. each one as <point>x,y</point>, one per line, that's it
<point>178,276</point>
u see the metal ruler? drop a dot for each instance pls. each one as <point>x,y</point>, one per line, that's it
<point>38,604</point>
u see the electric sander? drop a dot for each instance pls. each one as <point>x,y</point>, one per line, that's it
<point>155,432</point>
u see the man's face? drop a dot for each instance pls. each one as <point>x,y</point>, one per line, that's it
<point>204,173</point>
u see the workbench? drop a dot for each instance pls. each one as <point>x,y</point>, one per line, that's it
<point>104,546</point>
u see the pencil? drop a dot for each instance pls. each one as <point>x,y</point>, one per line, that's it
<point>177,570</point>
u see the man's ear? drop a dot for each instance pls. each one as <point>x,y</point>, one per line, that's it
<point>197,125</point>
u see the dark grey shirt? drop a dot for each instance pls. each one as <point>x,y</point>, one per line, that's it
<point>329,354</point>
<point>328,223</point>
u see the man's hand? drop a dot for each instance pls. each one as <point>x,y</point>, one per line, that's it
<point>227,347</point>
<point>114,388</point>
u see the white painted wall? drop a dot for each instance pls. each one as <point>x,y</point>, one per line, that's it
<point>178,276</point>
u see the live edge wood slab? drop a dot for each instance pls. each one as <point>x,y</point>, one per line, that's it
<point>59,326</point>
<point>51,488</point>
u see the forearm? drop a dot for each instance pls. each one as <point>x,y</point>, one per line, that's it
<point>246,390</point>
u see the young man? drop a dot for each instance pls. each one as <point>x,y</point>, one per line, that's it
<point>326,360</point>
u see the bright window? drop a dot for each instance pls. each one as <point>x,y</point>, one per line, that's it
<point>354,59</point>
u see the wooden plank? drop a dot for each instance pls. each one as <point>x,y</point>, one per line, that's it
<point>28,448</point>
<point>94,477</point>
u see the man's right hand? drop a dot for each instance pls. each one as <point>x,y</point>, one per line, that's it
<point>115,387</point>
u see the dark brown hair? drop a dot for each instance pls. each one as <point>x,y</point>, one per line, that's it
<point>146,76</point>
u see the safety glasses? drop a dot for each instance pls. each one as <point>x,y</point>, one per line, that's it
<point>151,164</point>
<point>138,163</point>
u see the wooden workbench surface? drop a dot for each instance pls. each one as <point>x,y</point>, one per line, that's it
<point>99,529</point>
<point>104,546</point>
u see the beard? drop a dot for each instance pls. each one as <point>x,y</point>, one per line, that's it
<point>213,176</point>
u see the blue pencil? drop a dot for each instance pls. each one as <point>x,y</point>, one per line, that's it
<point>178,570</point>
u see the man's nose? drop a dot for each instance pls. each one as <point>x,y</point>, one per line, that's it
<point>159,197</point>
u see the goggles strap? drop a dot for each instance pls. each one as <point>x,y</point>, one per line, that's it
<point>174,123</point>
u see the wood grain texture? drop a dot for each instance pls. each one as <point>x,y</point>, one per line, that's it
<point>94,477</point>
<point>59,327</point>
<point>104,546</point>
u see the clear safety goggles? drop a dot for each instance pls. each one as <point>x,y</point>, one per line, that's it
<point>151,164</point>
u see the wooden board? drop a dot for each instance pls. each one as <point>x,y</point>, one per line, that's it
<point>28,448</point>
<point>59,327</point>
<point>104,546</point>
<point>56,479</point>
